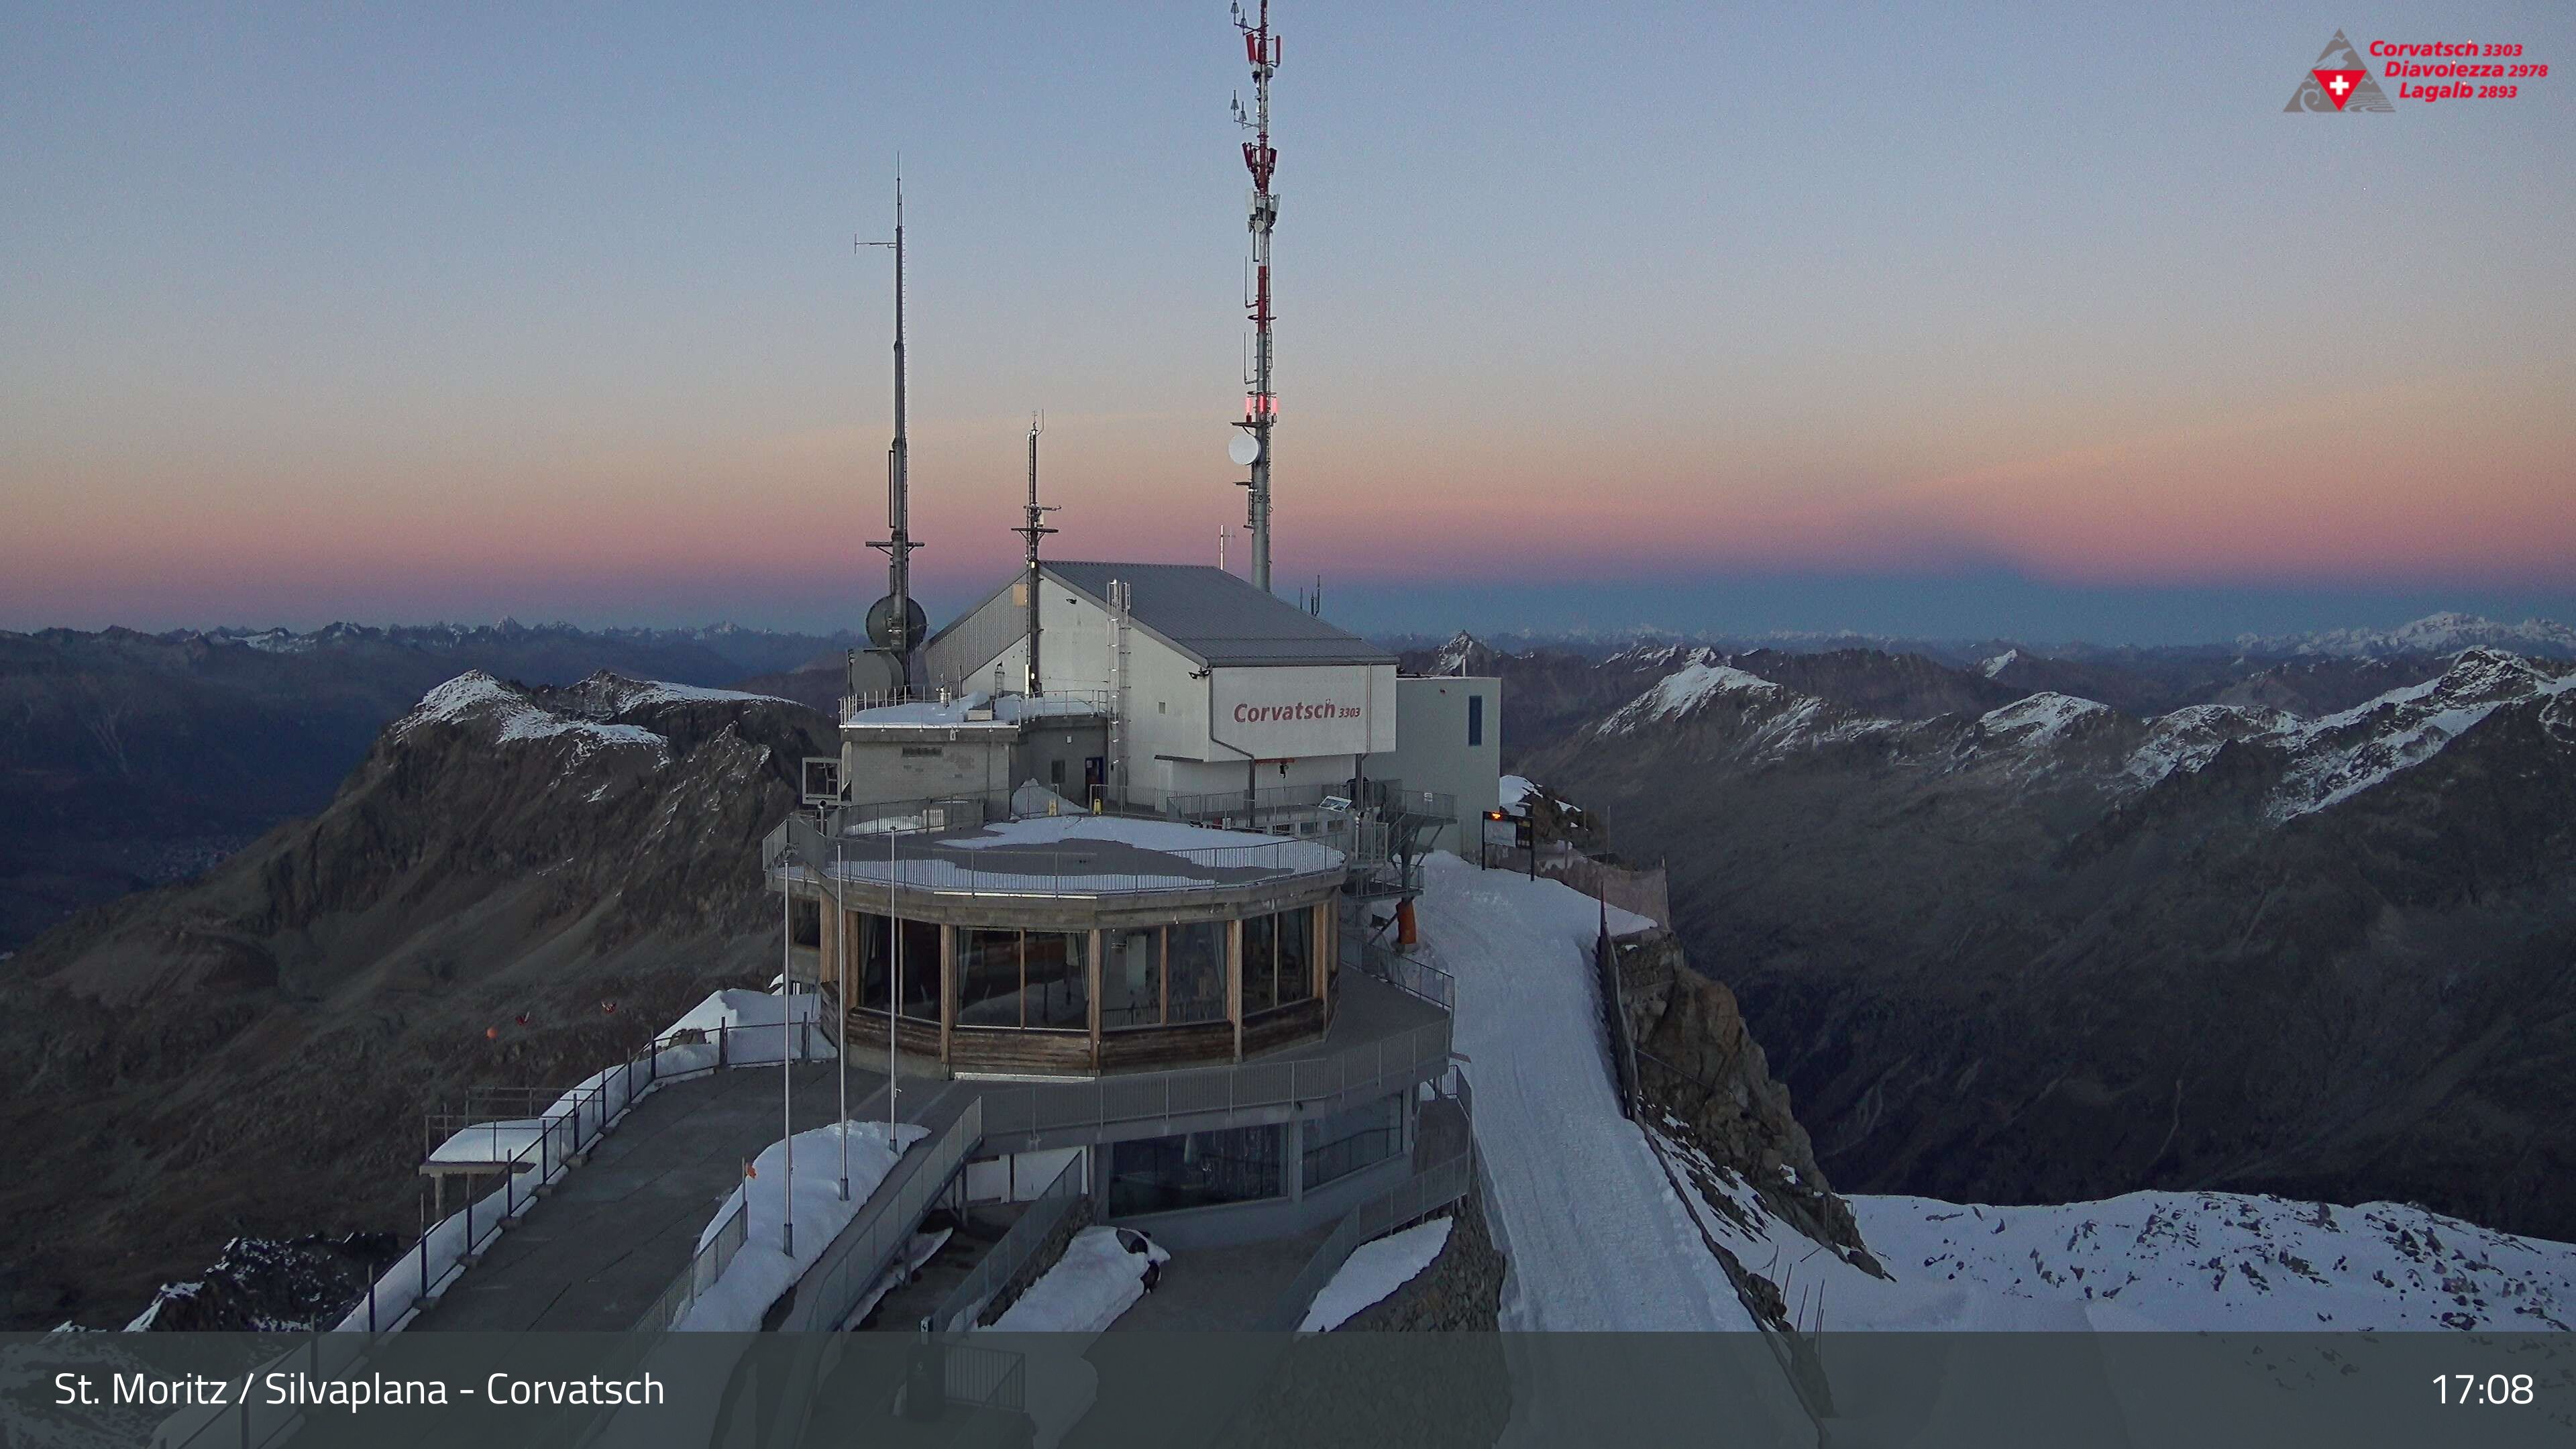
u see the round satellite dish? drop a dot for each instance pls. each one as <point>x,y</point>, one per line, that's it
<point>1244,449</point>
<point>881,623</point>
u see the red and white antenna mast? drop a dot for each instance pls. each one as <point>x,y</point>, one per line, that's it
<point>1260,403</point>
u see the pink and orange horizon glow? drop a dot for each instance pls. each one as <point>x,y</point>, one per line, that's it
<point>398,318</point>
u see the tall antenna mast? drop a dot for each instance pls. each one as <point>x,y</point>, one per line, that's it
<point>896,625</point>
<point>1261,403</point>
<point>1033,530</point>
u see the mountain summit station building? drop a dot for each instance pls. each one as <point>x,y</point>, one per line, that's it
<point>1145,910</point>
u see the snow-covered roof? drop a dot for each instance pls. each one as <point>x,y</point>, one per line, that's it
<point>1210,615</point>
<point>1080,855</point>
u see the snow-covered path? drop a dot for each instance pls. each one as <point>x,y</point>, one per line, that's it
<point>1598,1240</point>
<point>1593,1233</point>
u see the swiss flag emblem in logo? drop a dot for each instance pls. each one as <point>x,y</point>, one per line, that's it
<point>2339,83</point>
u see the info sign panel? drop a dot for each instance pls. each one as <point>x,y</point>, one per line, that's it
<point>1288,712</point>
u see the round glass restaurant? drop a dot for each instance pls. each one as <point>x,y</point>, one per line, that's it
<point>1069,944</point>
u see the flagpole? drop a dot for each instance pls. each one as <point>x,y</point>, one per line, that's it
<point>841,1028</point>
<point>786,1069</point>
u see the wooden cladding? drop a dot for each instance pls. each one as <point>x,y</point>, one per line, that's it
<point>1018,1000</point>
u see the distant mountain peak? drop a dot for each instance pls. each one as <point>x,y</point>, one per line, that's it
<point>2447,632</point>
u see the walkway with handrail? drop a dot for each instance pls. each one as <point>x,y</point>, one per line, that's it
<point>608,1240</point>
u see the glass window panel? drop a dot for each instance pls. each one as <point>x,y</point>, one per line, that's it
<point>1058,969</point>
<point>1260,964</point>
<point>1131,978</point>
<point>871,961</point>
<point>1202,1169</point>
<point>919,970</point>
<point>1340,1145</point>
<point>1296,955</point>
<point>988,978</point>
<point>1197,965</point>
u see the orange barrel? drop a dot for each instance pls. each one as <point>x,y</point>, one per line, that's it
<point>1404,933</point>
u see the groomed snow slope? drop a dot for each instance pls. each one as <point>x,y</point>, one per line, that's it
<point>1598,1239</point>
<point>1591,1230</point>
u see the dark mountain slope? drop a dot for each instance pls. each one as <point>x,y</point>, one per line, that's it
<point>2053,952</point>
<point>132,759</point>
<point>249,1053</point>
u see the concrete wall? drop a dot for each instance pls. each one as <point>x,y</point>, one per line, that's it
<point>881,769</point>
<point>1431,750</point>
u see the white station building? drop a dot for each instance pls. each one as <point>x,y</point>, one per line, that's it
<point>1206,685</point>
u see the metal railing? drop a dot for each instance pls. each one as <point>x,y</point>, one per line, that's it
<point>955,695</point>
<point>705,1267</point>
<point>965,1304</point>
<point>1415,978</point>
<point>545,1144</point>
<point>1380,1065</point>
<point>830,1290</point>
<point>1415,1198</point>
<point>976,1376</point>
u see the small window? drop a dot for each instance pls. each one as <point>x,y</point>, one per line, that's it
<point>1161,707</point>
<point>1475,720</point>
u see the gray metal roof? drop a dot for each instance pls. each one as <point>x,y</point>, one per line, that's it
<point>1217,618</point>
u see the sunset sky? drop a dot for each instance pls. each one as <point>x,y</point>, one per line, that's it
<point>2009,321</point>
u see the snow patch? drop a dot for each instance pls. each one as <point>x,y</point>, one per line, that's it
<point>2040,719</point>
<point>1375,1270</point>
<point>1096,1280</point>
<point>517,718</point>
<point>1994,668</point>
<point>2187,738</point>
<point>1685,690</point>
<point>2195,1262</point>
<point>756,1275</point>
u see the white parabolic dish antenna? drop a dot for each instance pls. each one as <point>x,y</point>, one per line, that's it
<point>1244,449</point>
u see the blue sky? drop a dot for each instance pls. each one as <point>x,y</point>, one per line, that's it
<point>2018,317</point>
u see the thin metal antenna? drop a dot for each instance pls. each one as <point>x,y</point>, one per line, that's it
<point>894,626</point>
<point>1033,530</point>
<point>1261,401</point>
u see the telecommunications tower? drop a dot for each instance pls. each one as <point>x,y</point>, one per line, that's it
<point>897,625</point>
<point>1260,403</point>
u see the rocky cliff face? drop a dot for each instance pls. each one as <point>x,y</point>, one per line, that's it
<point>514,886</point>
<point>2054,951</point>
<point>1704,1074</point>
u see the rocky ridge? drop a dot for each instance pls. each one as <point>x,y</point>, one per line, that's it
<point>514,885</point>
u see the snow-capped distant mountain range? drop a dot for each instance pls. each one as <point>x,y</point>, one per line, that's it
<point>2323,760</point>
<point>2444,633</point>
<point>2434,634</point>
